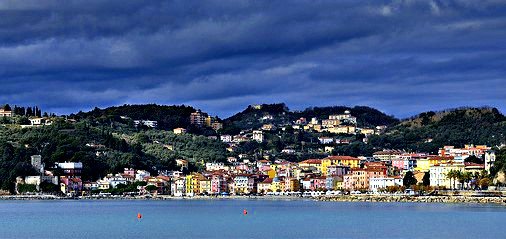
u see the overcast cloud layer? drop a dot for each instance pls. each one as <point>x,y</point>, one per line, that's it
<point>402,57</point>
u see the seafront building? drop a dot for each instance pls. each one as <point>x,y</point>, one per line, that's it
<point>243,176</point>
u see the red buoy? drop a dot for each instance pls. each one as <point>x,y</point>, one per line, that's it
<point>245,212</point>
<point>139,216</point>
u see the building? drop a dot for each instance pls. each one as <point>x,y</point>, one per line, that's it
<point>264,186</point>
<point>376,184</point>
<point>71,168</point>
<point>439,175</point>
<point>198,118</point>
<point>311,164</point>
<point>258,136</point>
<point>147,123</point>
<point>178,187</point>
<point>37,180</point>
<point>346,117</point>
<point>5,113</point>
<point>179,130</point>
<point>489,159</point>
<point>359,179</point>
<point>243,184</point>
<point>348,161</point>
<point>460,154</point>
<point>326,140</point>
<point>37,121</point>
<point>36,161</point>
<point>387,155</point>
<point>226,138</point>
<point>268,127</point>
<point>71,185</point>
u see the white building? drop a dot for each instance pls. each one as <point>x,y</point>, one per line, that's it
<point>258,136</point>
<point>37,121</point>
<point>179,187</point>
<point>216,166</point>
<point>439,175</point>
<point>243,184</point>
<point>489,160</point>
<point>36,161</point>
<point>141,174</point>
<point>226,138</point>
<point>148,123</point>
<point>37,180</point>
<point>376,184</point>
<point>326,140</point>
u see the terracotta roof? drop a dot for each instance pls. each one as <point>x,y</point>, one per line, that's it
<point>467,164</point>
<point>436,157</point>
<point>312,161</point>
<point>267,180</point>
<point>342,158</point>
<point>387,152</point>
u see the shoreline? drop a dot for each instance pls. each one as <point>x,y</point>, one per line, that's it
<point>457,199</point>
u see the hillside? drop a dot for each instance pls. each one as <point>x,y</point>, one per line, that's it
<point>366,116</point>
<point>255,116</point>
<point>430,130</point>
<point>168,117</point>
<point>251,117</point>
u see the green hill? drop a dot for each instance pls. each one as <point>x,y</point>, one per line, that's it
<point>366,116</point>
<point>168,117</point>
<point>428,131</point>
<point>251,117</point>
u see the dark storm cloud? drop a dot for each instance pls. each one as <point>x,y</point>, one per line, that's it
<point>402,57</point>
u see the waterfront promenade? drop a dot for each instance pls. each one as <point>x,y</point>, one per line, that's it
<point>482,197</point>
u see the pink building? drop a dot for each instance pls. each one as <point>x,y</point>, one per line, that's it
<point>398,163</point>
<point>218,184</point>
<point>358,179</point>
<point>314,184</point>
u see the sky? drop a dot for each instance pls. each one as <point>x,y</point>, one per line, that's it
<point>401,57</point>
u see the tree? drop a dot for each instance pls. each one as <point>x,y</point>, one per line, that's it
<point>466,177</point>
<point>49,187</point>
<point>27,188</point>
<point>409,179</point>
<point>451,175</point>
<point>151,188</point>
<point>426,179</point>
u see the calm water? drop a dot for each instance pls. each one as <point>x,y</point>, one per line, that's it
<point>266,219</point>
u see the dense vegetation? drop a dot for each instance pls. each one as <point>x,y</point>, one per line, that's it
<point>168,117</point>
<point>366,116</point>
<point>250,118</point>
<point>431,130</point>
<point>114,143</point>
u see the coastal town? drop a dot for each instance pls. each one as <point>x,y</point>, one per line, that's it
<point>383,172</point>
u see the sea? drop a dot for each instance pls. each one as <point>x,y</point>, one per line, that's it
<point>237,218</point>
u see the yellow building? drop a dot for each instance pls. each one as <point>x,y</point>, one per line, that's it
<point>311,163</point>
<point>205,186</point>
<point>264,186</point>
<point>349,161</point>
<point>277,185</point>
<point>193,183</point>
<point>271,173</point>
<point>424,164</point>
<point>189,185</point>
<point>294,185</point>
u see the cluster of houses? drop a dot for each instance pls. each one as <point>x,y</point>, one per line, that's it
<point>337,124</point>
<point>200,119</point>
<point>333,173</point>
<point>34,121</point>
